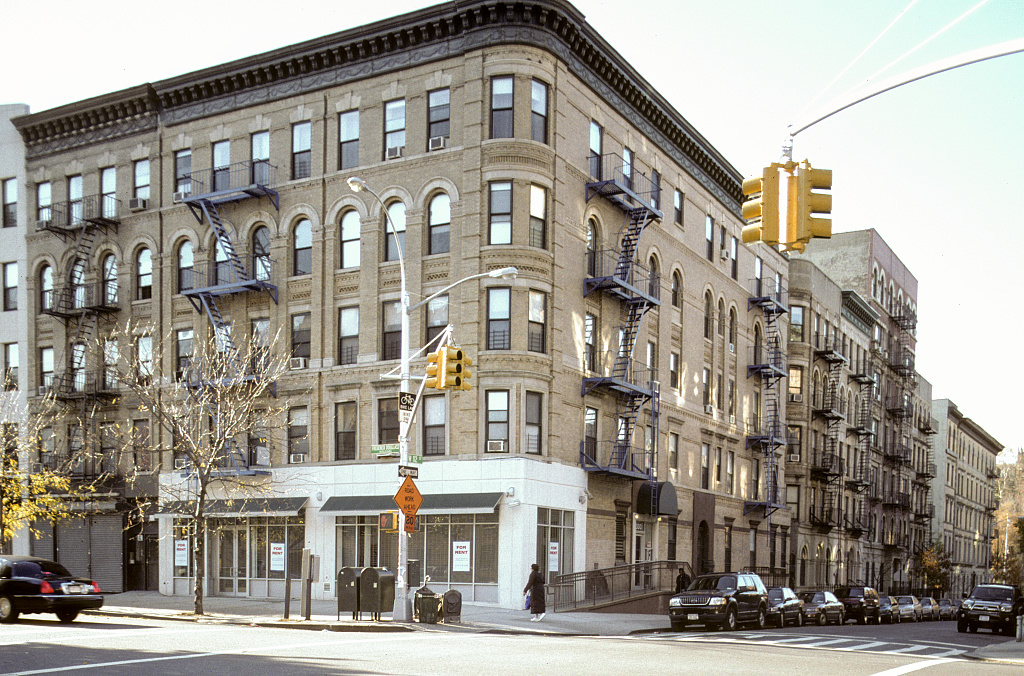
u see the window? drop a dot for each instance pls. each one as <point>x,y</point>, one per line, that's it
<point>590,432</point>
<point>500,231</point>
<point>74,199</point>
<point>536,330</point>
<point>673,451</point>
<point>345,430</point>
<point>706,386</point>
<point>534,425</point>
<point>394,126</point>
<point>796,379</point>
<point>298,432</point>
<point>221,165</point>
<point>655,189</point>
<point>76,283</point>
<point>539,111</point>
<point>387,420</point>
<point>141,448</point>
<point>350,226</point>
<point>186,262</point>
<point>796,324</point>
<point>705,466</point>
<point>301,145</point>
<point>141,173</point>
<point>261,263</point>
<point>758,276</point>
<point>794,440</point>
<point>718,468</point>
<point>721,317</point>
<point>677,290</point>
<point>596,149</point>
<point>259,145</point>
<point>589,339</point>
<point>728,544</point>
<point>709,236</point>
<point>111,355</point>
<point>391,338</point>
<point>730,472</point>
<point>501,107</point>
<point>438,114</point>
<point>677,204</point>
<point>437,318</point>
<point>301,333</point>
<point>10,366</point>
<point>46,288</point>
<point>708,320</point>
<point>9,196</point>
<point>433,425</point>
<point>440,223</point>
<point>538,216</point>
<point>591,248</point>
<point>499,325</point>
<point>627,168</point>
<point>109,272</point>
<point>44,201</point>
<point>734,263</point>
<point>259,330</point>
<point>108,192</point>
<point>673,370</point>
<point>46,368</point>
<point>732,329</point>
<point>732,400</point>
<point>302,252</point>
<point>144,275</point>
<point>144,356</point>
<point>77,367</point>
<point>183,354</point>
<point>10,271</point>
<point>183,171</point>
<point>348,139</point>
<point>497,418</point>
<point>348,334</point>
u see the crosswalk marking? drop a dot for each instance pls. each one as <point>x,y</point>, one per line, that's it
<point>823,642</point>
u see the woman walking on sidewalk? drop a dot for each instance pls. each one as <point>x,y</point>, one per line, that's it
<point>535,588</point>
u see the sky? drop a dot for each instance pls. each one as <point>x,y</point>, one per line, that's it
<point>929,165</point>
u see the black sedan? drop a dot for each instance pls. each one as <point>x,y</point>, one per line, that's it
<point>784,607</point>
<point>822,607</point>
<point>888,609</point>
<point>32,585</point>
<point>947,611</point>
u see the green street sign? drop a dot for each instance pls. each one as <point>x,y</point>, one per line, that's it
<point>384,450</point>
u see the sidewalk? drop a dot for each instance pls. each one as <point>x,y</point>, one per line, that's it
<point>475,618</point>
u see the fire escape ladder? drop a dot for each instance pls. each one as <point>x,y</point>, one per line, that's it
<point>638,220</point>
<point>224,240</point>
<point>769,435</point>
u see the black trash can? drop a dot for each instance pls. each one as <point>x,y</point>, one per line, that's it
<point>348,591</point>
<point>428,606</point>
<point>451,606</point>
<point>376,591</point>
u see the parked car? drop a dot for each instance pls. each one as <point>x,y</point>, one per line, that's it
<point>991,606</point>
<point>910,609</point>
<point>823,607</point>
<point>947,609</point>
<point>784,606</point>
<point>888,609</point>
<point>721,600</point>
<point>929,608</point>
<point>29,584</point>
<point>861,603</point>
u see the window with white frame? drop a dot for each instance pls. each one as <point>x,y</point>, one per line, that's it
<point>348,139</point>
<point>394,127</point>
<point>533,422</point>
<point>500,213</point>
<point>499,323</point>
<point>302,143</point>
<point>497,420</point>
<point>350,227</point>
<point>501,107</point>
<point>537,324</point>
<point>348,334</point>
<point>434,414</point>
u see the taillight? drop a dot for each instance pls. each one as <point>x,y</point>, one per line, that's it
<point>46,588</point>
<point>95,587</point>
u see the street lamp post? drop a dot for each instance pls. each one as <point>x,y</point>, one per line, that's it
<point>403,606</point>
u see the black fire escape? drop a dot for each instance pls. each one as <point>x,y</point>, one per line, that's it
<point>618,273</point>
<point>861,426</point>
<point>209,194</point>
<point>898,451</point>
<point>765,433</point>
<point>827,465</point>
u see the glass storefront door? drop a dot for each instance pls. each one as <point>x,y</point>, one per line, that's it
<point>232,568</point>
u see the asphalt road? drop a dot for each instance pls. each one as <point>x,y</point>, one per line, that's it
<point>104,645</point>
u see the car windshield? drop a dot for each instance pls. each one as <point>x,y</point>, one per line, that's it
<point>854,592</point>
<point>812,597</point>
<point>945,602</point>
<point>774,594</point>
<point>992,594</point>
<point>906,599</point>
<point>39,569</point>
<point>719,582</point>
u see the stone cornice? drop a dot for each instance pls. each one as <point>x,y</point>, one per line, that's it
<point>439,32</point>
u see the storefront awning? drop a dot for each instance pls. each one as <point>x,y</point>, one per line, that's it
<point>448,503</point>
<point>663,499</point>
<point>238,507</point>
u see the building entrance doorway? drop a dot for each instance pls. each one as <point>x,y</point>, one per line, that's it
<point>232,568</point>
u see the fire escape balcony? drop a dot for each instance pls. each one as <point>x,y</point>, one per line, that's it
<point>69,217</point>
<point>823,520</point>
<point>77,299</point>
<point>828,350</point>
<point>605,272</point>
<point>223,278</point>
<point>766,359</point>
<point>623,375</point>
<point>826,466</point>
<point>617,458</point>
<point>765,432</point>
<point>901,361</point>
<point>991,473</point>
<point>891,540</point>
<point>897,452</point>
<point>905,320</point>
<point>232,183</point>
<point>828,407</point>
<point>874,493</point>
<point>622,183</point>
<point>855,526</point>
<point>79,384</point>
<point>768,296</point>
<point>926,471</point>
<point>923,513</point>
<point>896,499</point>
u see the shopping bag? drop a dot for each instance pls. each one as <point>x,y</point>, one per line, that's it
<point>527,600</point>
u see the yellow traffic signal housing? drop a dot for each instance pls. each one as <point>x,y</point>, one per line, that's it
<point>762,207</point>
<point>390,522</point>
<point>433,359</point>
<point>801,223</point>
<point>450,368</point>
<point>466,374</point>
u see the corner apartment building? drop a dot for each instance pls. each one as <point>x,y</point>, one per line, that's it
<point>965,495</point>
<point>892,427</point>
<point>626,401</point>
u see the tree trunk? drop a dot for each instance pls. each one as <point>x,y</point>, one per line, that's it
<point>198,562</point>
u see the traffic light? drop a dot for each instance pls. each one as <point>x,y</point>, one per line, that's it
<point>433,364</point>
<point>762,207</point>
<point>466,374</point>
<point>449,368</point>
<point>804,202</point>
<point>390,522</point>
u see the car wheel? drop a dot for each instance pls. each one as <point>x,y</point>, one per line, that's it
<point>729,624</point>
<point>762,618</point>
<point>863,619</point>
<point>961,626</point>
<point>822,619</point>
<point>800,619</point>
<point>67,616</point>
<point>8,613</point>
<point>842,618</point>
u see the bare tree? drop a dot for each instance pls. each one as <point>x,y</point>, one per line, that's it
<point>217,406</point>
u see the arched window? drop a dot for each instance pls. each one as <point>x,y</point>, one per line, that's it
<point>109,268</point>
<point>186,261</point>
<point>440,222</point>
<point>77,283</point>
<point>708,304</point>
<point>655,278</point>
<point>395,248</point>
<point>757,346</point>
<point>46,288</point>
<point>677,290</point>
<point>732,329</point>
<point>261,253</point>
<point>721,317</point>
<point>350,226</point>
<point>144,274</point>
<point>302,251</point>
<point>591,248</point>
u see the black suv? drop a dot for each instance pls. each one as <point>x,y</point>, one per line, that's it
<point>860,603</point>
<point>720,600</point>
<point>991,606</point>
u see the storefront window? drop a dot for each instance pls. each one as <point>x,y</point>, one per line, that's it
<point>555,541</point>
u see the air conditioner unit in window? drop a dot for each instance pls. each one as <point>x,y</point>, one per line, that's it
<point>179,197</point>
<point>393,153</point>
<point>732,347</point>
<point>725,254</point>
<point>496,446</point>
<point>796,398</point>
<point>138,204</point>
<point>181,463</point>
<point>35,468</point>
<point>709,409</point>
<point>43,223</point>
<point>298,363</point>
<point>44,390</point>
<point>732,420</point>
<point>793,457</point>
<point>436,143</point>
<point>296,458</point>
